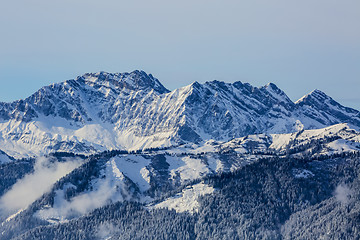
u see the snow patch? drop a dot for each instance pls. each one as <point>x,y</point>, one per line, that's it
<point>134,167</point>
<point>189,168</point>
<point>302,173</point>
<point>186,201</point>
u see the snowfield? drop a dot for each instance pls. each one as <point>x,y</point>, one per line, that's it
<point>187,199</point>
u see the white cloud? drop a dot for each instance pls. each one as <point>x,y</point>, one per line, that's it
<point>81,204</point>
<point>26,190</point>
<point>112,188</point>
<point>342,193</point>
<point>106,230</point>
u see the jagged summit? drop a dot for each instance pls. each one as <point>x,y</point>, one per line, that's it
<point>316,94</point>
<point>272,86</point>
<point>326,110</point>
<point>135,80</point>
<point>71,99</point>
<point>321,100</point>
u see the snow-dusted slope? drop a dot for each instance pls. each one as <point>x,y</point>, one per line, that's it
<point>147,176</point>
<point>104,111</point>
<point>181,165</point>
<point>187,200</point>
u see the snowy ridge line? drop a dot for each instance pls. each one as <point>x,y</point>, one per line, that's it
<point>107,111</point>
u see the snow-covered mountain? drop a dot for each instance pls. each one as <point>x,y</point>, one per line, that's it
<point>104,111</point>
<point>245,155</point>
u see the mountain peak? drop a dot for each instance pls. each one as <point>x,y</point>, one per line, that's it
<point>272,88</point>
<point>135,80</point>
<point>313,95</point>
<point>318,94</point>
<point>271,85</point>
<point>326,110</point>
<point>195,84</point>
<point>276,93</point>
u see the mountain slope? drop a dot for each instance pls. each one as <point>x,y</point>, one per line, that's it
<point>267,199</point>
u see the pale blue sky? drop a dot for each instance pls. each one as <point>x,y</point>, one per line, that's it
<point>298,45</point>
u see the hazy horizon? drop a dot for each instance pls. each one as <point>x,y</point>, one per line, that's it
<point>299,46</point>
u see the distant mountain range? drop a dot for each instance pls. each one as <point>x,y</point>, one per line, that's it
<point>131,111</point>
<point>119,156</point>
